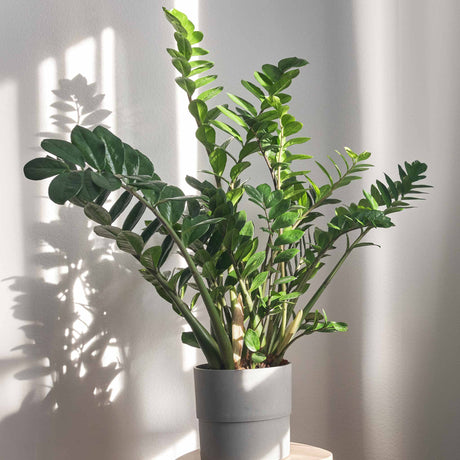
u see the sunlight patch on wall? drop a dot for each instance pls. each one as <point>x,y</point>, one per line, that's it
<point>47,82</point>
<point>187,443</point>
<point>187,147</point>
<point>81,58</point>
<point>107,64</point>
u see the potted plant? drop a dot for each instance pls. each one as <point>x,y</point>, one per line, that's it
<point>251,275</point>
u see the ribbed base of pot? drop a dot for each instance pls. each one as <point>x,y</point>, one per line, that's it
<point>259,440</point>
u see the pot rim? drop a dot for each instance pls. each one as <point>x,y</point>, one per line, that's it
<point>205,367</point>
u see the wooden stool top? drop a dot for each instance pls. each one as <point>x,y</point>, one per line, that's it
<point>298,452</point>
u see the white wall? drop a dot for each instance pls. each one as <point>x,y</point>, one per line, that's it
<point>383,76</point>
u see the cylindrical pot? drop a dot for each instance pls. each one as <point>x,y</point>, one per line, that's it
<point>244,414</point>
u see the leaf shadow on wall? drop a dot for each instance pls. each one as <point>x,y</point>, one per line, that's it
<point>78,347</point>
<point>77,327</point>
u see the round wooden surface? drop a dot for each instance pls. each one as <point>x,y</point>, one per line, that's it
<point>298,452</point>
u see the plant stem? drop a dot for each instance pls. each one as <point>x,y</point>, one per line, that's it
<point>221,335</point>
<point>333,272</point>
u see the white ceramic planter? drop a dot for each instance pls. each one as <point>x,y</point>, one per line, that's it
<point>244,414</point>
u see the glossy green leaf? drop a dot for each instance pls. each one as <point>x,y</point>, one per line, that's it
<point>89,190</point>
<point>106,180</point>
<point>199,110</point>
<point>286,255</point>
<point>134,216</point>
<point>120,205</point>
<point>42,168</point>
<point>151,257</point>
<point>288,63</point>
<point>182,65</point>
<point>92,148</point>
<point>289,237</point>
<point>228,129</point>
<point>130,242</point>
<point>233,116</point>
<point>252,341</point>
<point>188,338</point>
<point>253,263</point>
<point>210,93</point>
<point>107,231</point>
<point>115,155</point>
<point>287,219</point>
<point>206,135</point>
<point>218,161</point>
<point>186,84</point>
<point>64,150</point>
<point>65,186</point>
<point>255,90</point>
<point>258,280</point>
<point>238,168</point>
<point>297,140</point>
<point>258,357</point>
<point>97,213</point>
<point>171,210</point>
<point>243,103</point>
<point>199,82</point>
<point>292,128</point>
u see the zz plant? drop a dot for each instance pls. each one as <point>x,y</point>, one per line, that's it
<point>250,276</point>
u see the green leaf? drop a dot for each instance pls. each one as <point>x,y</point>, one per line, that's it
<point>64,150</point>
<point>188,338</point>
<point>292,128</point>
<point>251,339</point>
<point>182,65</point>
<point>272,72</point>
<point>280,208</point>
<point>106,180</point>
<point>201,68</point>
<point>197,51</point>
<point>92,148</point>
<point>89,190</point>
<point>243,103</point>
<point>130,242</point>
<point>238,120</point>
<point>237,169</point>
<point>183,45</point>
<point>131,164</point>
<point>289,63</point>
<point>206,135</point>
<point>151,257</point>
<point>228,129</point>
<point>258,357</point>
<point>287,219</point>
<point>255,90</point>
<point>199,110</point>
<point>107,231</point>
<point>120,205</point>
<point>97,213</point>
<point>285,280</point>
<point>134,216</point>
<point>199,82</point>
<point>249,148</point>
<point>258,280</point>
<point>286,255</point>
<point>186,84</point>
<point>42,168</point>
<point>115,155</point>
<point>210,93</point>
<point>65,186</point>
<point>253,263</point>
<point>171,210</point>
<point>218,161</point>
<point>296,141</point>
<point>374,205</point>
<point>289,237</point>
